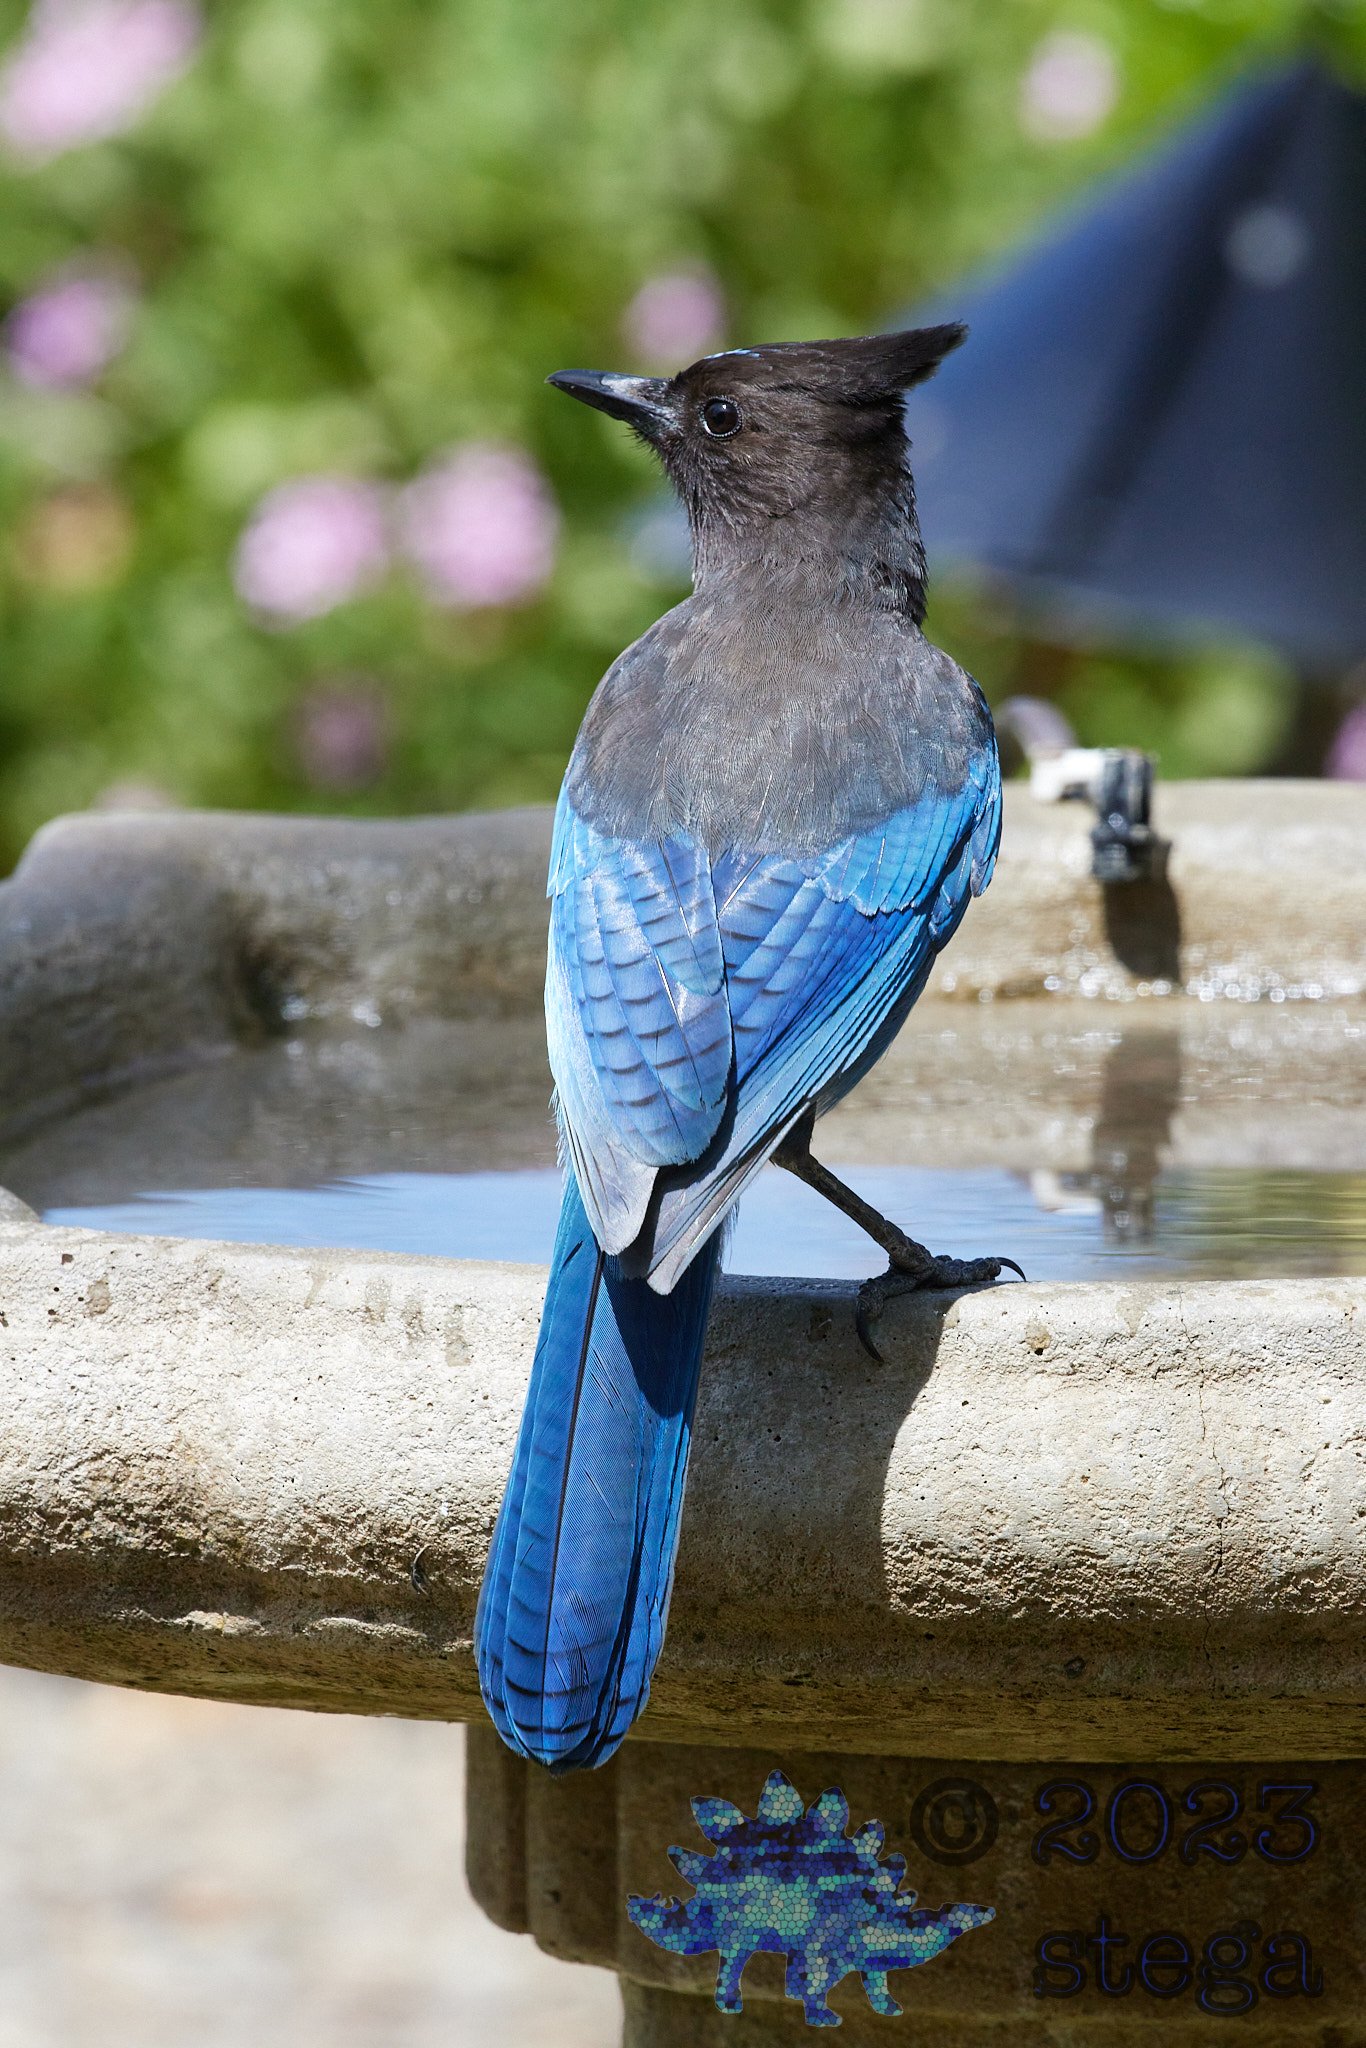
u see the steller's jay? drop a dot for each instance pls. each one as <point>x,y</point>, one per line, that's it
<point>780,802</point>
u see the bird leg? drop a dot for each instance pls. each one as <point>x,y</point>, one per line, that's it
<point>910,1265</point>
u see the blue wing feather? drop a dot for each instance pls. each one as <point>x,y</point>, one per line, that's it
<point>639,1030</point>
<point>877,973</point>
<point>693,994</point>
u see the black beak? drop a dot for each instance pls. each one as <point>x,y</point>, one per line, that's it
<point>645,403</point>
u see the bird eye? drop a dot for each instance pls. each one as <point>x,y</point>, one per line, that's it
<point>721,418</point>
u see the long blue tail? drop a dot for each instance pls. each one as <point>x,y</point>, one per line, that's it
<point>576,1593</point>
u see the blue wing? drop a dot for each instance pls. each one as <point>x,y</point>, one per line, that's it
<point>697,1008</point>
<point>638,1025</point>
<point>824,958</point>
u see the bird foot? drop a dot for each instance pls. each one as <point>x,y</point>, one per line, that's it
<point>874,1294</point>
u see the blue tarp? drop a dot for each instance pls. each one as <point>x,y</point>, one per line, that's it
<point>1159,419</point>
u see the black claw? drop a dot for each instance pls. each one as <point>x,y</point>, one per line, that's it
<point>865,1336</point>
<point>895,1281</point>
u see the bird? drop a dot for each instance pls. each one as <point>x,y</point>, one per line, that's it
<point>780,802</point>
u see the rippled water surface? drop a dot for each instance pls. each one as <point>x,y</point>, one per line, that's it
<point>1084,1141</point>
<point>1212,1222</point>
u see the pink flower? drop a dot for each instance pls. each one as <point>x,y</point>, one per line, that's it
<point>675,318</point>
<point>68,330</point>
<point>86,69</point>
<point>310,545</point>
<point>1070,87</point>
<point>341,734</point>
<point>1347,755</point>
<point>481,527</point>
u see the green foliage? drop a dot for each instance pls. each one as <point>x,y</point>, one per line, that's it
<point>364,232</point>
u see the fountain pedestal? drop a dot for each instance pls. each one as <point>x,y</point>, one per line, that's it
<point>1189,1893</point>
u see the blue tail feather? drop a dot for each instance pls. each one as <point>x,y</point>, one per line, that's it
<point>575,1597</point>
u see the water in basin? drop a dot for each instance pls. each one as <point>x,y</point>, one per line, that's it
<point>1211,1222</point>
<point>1156,1139</point>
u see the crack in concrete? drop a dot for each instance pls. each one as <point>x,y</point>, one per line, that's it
<point>1220,1520</point>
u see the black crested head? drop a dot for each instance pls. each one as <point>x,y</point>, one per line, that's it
<point>791,457</point>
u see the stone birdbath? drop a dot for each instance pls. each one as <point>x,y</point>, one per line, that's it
<point>1069,1593</point>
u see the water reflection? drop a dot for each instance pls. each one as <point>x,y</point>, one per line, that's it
<point>1140,1091</point>
<point>1204,1223</point>
<point>1084,1140</point>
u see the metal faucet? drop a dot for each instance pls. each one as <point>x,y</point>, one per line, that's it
<point>1118,781</point>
